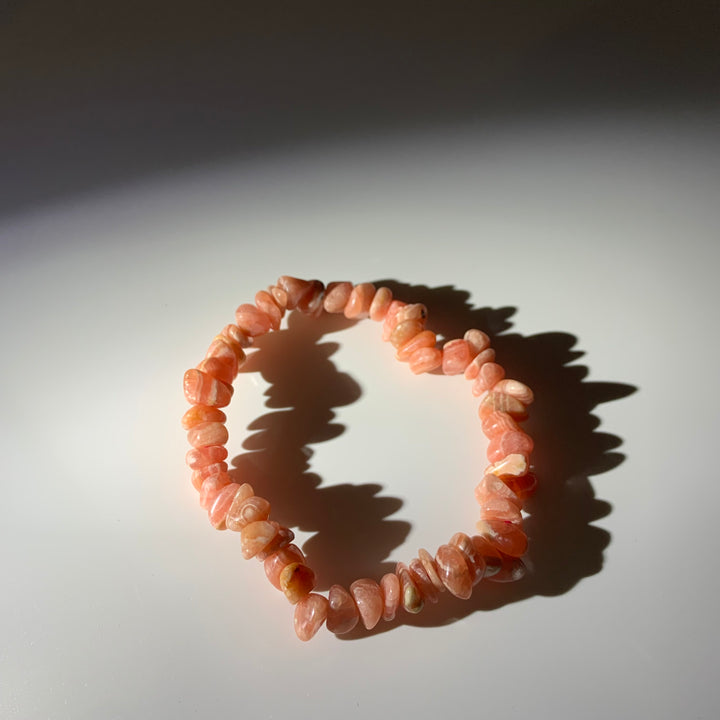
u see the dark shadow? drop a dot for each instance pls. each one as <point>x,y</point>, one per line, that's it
<point>565,545</point>
<point>98,95</point>
<point>305,388</point>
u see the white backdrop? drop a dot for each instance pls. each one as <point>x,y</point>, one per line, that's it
<point>587,243</point>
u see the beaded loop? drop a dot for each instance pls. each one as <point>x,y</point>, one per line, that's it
<point>494,554</point>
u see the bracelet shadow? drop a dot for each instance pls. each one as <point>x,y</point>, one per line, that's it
<point>305,387</point>
<point>565,546</point>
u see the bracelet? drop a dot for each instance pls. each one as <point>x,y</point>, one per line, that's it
<point>494,553</point>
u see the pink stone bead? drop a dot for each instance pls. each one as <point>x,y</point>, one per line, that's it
<point>500,508</point>
<point>411,598</point>
<point>490,555</point>
<point>201,413</point>
<point>405,331</point>
<point>343,614</point>
<point>492,486</point>
<point>369,600</point>
<point>202,389</point>
<point>498,423</point>
<point>243,493</point>
<point>296,581</point>
<point>512,569</point>
<point>422,580</point>
<point>499,402</point>
<point>390,586</point>
<point>509,443</point>
<point>514,464</point>
<point>473,368</point>
<point>517,389</point>
<point>249,511</point>
<point>414,311</point>
<point>282,539</point>
<point>337,296</point>
<point>225,348</point>
<point>523,485</point>
<point>197,458</point>
<point>390,318</point>
<point>201,474</point>
<point>474,560</point>
<point>275,562</point>
<point>223,500</point>
<point>252,321</point>
<point>256,536</point>
<point>424,339</point>
<point>238,339</point>
<point>454,571</point>
<point>219,368</point>
<point>267,304</point>
<point>295,289</point>
<point>310,613</point>
<point>210,488</point>
<point>477,340</point>
<point>361,297</point>
<point>425,360</point>
<point>489,374</point>
<point>208,433</point>
<point>431,569</point>
<point>508,537</point>
<point>280,296</point>
<point>455,357</point>
<point>380,304</point>
<point>311,303</point>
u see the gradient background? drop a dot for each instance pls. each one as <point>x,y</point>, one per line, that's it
<point>549,172</point>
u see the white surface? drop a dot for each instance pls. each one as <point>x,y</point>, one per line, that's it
<point>120,601</point>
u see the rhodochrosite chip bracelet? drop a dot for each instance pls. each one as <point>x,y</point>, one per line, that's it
<point>494,553</point>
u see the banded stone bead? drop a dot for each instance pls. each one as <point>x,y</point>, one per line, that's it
<point>252,321</point>
<point>489,374</point>
<point>266,303</point>
<point>454,571</point>
<point>360,300</point>
<point>500,402</point>
<point>424,339</point>
<point>210,488</point>
<point>218,510</point>
<point>390,586</point>
<point>202,413</point>
<point>508,537</point>
<point>197,458</point>
<point>275,562</point>
<point>310,613</point>
<point>455,357</point>
<point>296,581</point>
<point>248,511</point>
<point>391,318</point>
<point>203,473</point>
<point>311,303</point>
<point>473,369</point>
<point>256,536</point>
<point>509,443</point>
<point>425,360</point>
<point>369,601</point>
<point>422,580</point>
<point>208,433</point>
<point>411,598</point>
<point>337,295</point>
<point>203,389</point>
<point>380,304</point>
<point>475,561</point>
<point>517,389</point>
<point>343,614</point>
